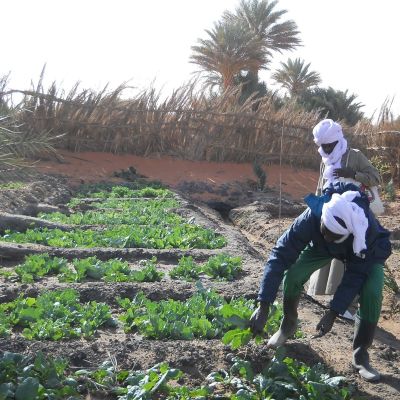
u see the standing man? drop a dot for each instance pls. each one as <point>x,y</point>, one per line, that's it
<point>338,163</point>
<point>336,226</point>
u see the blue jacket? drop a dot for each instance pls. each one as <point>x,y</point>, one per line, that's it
<point>305,231</point>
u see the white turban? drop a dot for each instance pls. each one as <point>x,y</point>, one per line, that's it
<point>342,206</point>
<point>328,131</point>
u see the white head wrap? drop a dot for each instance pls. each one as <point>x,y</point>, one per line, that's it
<point>342,206</point>
<point>328,131</point>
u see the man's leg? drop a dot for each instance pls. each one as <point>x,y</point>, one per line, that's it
<point>366,322</point>
<point>309,261</point>
<point>295,277</point>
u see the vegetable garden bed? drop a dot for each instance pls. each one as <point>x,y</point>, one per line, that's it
<point>151,302</point>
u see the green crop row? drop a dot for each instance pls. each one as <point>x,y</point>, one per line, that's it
<point>56,315</point>
<point>90,189</point>
<point>205,315</point>
<point>12,185</point>
<point>184,236</point>
<point>123,191</point>
<point>53,315</point>
<point>38,266</point>
<point>40,377</point>
<point>221,266</point>
<point>124,224</point>
<point>121,213</point>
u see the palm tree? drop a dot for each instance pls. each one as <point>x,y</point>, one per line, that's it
<point>18,146</point>
<point>228,50</point>
<point>334,104</point>
<point>296,77</point>
<point>264,22</point>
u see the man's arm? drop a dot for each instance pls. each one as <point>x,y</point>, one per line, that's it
<point>284,254</point>
<point>365,172</point>
<point>354,277</point>
<point>360,169</point>
<point>355,274</point>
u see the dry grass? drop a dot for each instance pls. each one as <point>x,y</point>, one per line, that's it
<point>382,139</point>
<point>187,124</point>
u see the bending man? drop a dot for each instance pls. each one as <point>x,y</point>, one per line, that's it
<point>336,226</point>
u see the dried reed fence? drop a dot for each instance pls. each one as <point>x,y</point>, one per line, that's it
<point>381,140</point>
<point>184,125</point>
<point>188,124</point>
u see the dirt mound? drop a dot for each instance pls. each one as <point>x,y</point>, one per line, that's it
<point>42,189</point>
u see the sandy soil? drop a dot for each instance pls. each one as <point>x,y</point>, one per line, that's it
<point>251,236</point>
<point>93,167</point>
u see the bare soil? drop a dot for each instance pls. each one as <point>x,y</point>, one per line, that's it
<point>251,227</point>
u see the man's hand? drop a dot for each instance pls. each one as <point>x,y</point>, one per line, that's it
<point>345,172</point>
<point>259,318</point>
<point>326,323</point>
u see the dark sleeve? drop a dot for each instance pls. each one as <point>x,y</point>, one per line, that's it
<point>357,269</point>
<point>284,254</point>
<point>355,275</point>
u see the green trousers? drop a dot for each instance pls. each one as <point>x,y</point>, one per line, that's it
<point>312,259</point>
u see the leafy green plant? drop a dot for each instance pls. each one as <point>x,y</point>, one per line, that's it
<point>56,315</point>
<point>121,192</point>
<point>88,189</point>
<point>283,378</point>
<point>12,186</point>
<point>129,192</point>
<point>389,191</point>
<point>186,269</point>
<point>147,273</point>
<point>112,271</point>
<point>382,167</point>
<point>5,326</point>
<point>42,377</point>
<point>204,315</point>
<point>140,384</point>
<point>223,266</point>
<point>117,212</point>
<point>389,280</point>
<point>90,267</point>
<point>34,378</point>
<point>37,266</point>
<point>260,174</point>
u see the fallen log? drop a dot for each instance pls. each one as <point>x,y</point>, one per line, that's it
<point>33,210</point>
<point>21,223</point>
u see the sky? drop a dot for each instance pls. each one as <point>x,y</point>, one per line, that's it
<point>353,44</point>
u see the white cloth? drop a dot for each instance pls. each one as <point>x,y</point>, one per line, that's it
<point>328,131</point>
<point>342,206</point>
